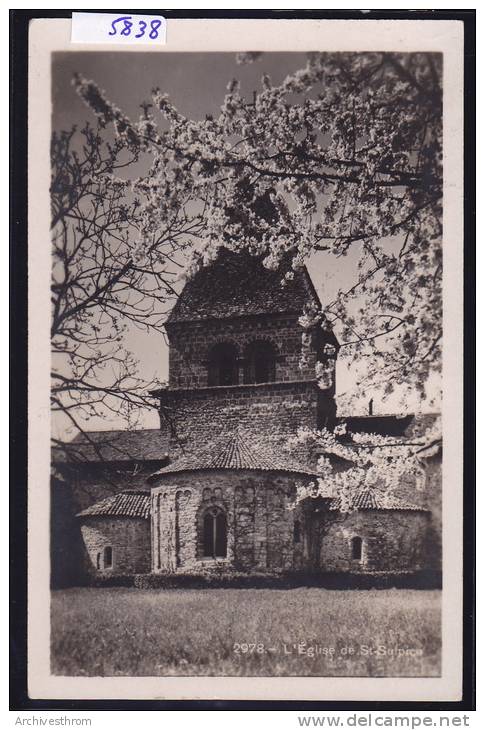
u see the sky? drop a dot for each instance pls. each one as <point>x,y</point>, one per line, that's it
<point>196,84</point>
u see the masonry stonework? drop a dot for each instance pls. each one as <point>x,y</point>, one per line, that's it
<point>260,526</point>
<point>191,344</point>
<point>127,537</point>
<point>391,542</point>
<point>276,410</point>
<point>433,492</point>
<point>213,489</point>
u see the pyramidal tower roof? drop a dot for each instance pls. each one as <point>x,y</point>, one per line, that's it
<point>238,284</point>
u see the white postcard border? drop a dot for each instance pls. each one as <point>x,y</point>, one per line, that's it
<point>48,35</point>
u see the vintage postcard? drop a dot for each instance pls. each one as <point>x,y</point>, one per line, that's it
<point>245,323</point>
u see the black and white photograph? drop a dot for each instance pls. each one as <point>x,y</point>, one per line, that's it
<point>246,321</point>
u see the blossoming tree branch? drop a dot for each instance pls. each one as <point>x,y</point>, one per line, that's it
<point>344,154</point>
<point>343,157</point>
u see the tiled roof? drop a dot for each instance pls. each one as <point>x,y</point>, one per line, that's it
<point>130,503</point>
<point>237,284</point>
<point>235,452</point>
<point>370,499</point>
<point>110,446</point>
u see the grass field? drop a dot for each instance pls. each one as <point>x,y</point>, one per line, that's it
<point>134,632</point>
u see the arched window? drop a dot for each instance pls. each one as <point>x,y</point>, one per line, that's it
<point>98,561</point>
<point>215,534</point>
<point>223,369</point>
<point>108,557</point>
<point>260,363</point>
<point>356,548</point>
<point>297,531</point>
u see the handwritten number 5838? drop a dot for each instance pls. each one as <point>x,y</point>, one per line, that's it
<point>128,25</point>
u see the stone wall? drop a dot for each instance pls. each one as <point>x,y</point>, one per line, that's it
<point>272,412</point>
<point>260,527</point>
<point>433,488</point>
<point>391,541</point>
<point>83,486</point>
<point>426,492</point>
<point>129,538</point>
<point>191,343</point>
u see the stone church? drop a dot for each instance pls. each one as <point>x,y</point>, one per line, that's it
<point>213,489</point>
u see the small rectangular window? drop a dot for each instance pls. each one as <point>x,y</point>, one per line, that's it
<point>108,557</point>
<point>356,544</point>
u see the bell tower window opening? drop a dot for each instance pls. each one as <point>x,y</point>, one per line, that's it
<point>260,363</point>
<point>223,367</point>
<point>215,534</point>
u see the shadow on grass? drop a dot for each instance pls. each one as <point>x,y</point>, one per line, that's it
<point>423,580</point>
